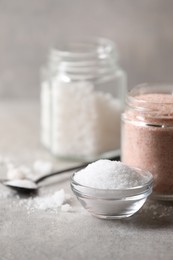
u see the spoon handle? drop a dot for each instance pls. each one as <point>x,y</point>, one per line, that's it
<point>78,167</point>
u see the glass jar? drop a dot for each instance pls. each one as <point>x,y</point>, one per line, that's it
<point>147,135</point>
<point>82,97</point>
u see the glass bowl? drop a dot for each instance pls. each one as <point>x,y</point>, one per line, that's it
<point>113,203</point>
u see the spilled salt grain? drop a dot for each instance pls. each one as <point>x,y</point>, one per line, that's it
<point>50,202</point>
<point>14,173</point>
<point>42,167</point>
<point>18,172</point>
<point>158,210</point>
<point>106,174</point>
<point>53,202</point>
<point>6,193</point>
<point>66,207</point>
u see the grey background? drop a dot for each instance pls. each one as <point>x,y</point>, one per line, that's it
<point>142,31</point>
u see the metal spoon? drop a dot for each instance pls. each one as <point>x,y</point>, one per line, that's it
<point>27,185</point>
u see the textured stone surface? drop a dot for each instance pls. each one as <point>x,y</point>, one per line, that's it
<point>141,29</point>
<point>42,235</point>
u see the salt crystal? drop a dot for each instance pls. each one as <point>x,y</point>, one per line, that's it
<point>20,172</point>
<point>6,193</point>
<point>49,202</point>
<point>53,202</point>
<point>158,210</point>
<point>106,174</point>
<point>93,118</point>
<point>42,167</point>
<point>24,172</point>
<point>66,207</point>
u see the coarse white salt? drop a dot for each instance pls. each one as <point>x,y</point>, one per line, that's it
<point>57,201</point>
<point>106,174</point>
<point>42,166</point>
<point>50,202</point>
<point>18,172</point>
<point>66,207</point>
<point>93,118</point>
<point>157,210</point>
<point>6,193</point>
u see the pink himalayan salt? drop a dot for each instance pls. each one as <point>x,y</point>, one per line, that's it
<point>148,147</point>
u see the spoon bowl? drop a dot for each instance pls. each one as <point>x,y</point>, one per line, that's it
<point>24,185</point>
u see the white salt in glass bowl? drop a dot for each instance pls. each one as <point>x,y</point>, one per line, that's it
<point>113,203</point>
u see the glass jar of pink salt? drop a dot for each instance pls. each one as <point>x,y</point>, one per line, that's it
<point>147,135</point>
<point>82,97</point>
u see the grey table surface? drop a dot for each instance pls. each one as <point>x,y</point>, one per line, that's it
<point>41,234</point>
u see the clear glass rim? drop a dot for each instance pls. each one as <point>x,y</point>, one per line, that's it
<point>149,88</point>
<point>88,46</point>
<point>133,191</point>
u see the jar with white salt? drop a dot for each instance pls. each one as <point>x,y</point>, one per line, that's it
<point>147,135</point>
<point>82,97</point>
